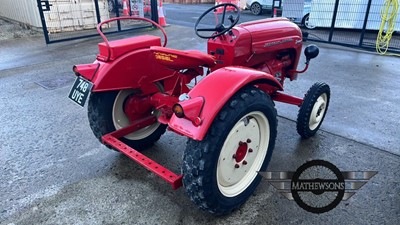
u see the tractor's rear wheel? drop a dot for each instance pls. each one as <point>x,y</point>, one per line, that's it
<point>106,114</point>
<point>221,172</point>
<point>313,110</point>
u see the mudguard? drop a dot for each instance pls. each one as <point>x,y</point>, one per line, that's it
<point>133,70</point>
<point>216,89</point>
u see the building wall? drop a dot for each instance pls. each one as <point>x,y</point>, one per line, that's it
<point>24,11</point>
<point>74,15</point>
<point>190,1</point>
<point>64,15</point>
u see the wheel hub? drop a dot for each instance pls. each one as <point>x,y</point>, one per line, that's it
<point>241,152</point>
<point>239,162</point>
<point>234,168</point>
<point>318,111</point>
<point>135,107</point>
<point>129,108</point>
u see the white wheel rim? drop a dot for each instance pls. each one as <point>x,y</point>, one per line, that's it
<point>318,111</point>
<point>120,119</point>
<point>307,23</point>
<point>233,181</point>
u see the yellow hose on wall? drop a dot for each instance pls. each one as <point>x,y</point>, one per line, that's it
<point>388,14</point>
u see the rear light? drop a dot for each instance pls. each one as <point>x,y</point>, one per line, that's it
<point>190,109</point>
<point>178,110</point>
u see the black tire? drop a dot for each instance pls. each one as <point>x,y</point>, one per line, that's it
<point>310,111</point>
<point>305,22</point>
<point>256,8</point>
<point>203,160</point>
<point>100,114</point>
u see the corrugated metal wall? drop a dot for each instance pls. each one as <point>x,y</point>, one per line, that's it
<point>24,11</point>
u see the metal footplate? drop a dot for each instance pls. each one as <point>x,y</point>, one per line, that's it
<point>111,139</point>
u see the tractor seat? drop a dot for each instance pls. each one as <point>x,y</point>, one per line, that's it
<point>179,60</point>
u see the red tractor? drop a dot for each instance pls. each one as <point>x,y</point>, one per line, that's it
<point>137,88</point>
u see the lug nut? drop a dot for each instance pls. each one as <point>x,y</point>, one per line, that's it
<point>237,166</point>
<point>244,162</point>
<point>248,140</point>
<point>241,143</point>
<point>234,156</point>
<point>250,150</point>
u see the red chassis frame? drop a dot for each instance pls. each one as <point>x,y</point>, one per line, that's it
<point>153,64</point>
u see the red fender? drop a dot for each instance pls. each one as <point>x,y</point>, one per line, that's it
<point>133,70</point>
<point>216,89</point>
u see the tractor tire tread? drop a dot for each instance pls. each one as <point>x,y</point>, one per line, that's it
<point>304,113</point>
<point>98,121</point>
<point>197,181</point>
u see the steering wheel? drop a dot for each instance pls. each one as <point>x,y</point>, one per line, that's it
<point>219,28</point>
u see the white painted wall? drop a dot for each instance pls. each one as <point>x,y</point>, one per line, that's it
<point>64,15</point>
<point>73,15</point>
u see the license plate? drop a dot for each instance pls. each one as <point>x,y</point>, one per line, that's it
<point>80,91</point>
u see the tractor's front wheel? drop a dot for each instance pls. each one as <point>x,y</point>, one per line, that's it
<point>306,22</point>
<point>221,172</point>
<point>106,113</point>
<point>313,110</point>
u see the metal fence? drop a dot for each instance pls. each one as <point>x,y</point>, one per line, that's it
<point>352,23</point>
<point>64,20</point>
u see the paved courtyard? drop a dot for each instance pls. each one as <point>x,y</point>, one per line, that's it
<point>54,171</point>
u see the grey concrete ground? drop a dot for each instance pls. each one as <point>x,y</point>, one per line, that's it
<point>10,29</point>
<point>53,170</point>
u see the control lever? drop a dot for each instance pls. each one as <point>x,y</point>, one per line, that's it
<point>230,18</point>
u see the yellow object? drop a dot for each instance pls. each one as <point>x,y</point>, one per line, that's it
<point>388,14</point>
<point>165,56</point>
